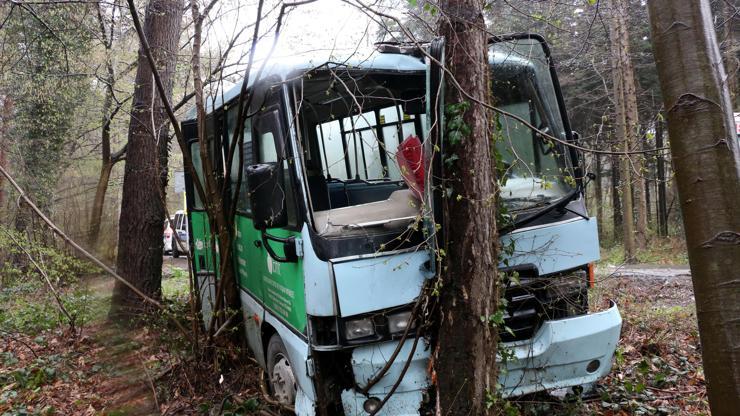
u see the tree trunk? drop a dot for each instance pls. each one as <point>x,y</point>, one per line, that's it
<point>99,202</point>
<point>624,93</point>
<point>707,168</point>
<point>220,219</point>
<point>108,160</point>
<point>662,211</point>
<point>6,111</point>
<point>598,196</point>
<point>466,354</point>
<point>617,219</point>
<point>145,176</point>
<point>731,50</point>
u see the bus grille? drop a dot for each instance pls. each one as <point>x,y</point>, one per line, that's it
<point>532,301</point>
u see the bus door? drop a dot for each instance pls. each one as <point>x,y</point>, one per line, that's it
<point>272,248</point>
<point>204,259</point>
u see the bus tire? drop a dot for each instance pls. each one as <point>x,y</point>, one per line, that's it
<point>283,385</point>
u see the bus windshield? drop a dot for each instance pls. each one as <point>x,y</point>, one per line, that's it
<point>352,124</point>
<point>537,172</point>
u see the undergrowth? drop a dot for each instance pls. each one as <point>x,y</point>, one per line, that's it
<point>667,251</point>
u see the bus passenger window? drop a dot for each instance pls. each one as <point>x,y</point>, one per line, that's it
<point>198,166</point>
<point>243,202</point>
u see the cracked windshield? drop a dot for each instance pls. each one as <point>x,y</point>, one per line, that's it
<point>537,171</point>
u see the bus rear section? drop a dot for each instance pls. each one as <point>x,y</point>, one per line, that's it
<point>331,274</point>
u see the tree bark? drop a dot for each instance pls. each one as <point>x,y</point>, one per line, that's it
<point>6,111</point>
<point>662,211</point>
<point>626,115</point>
<point>731,50</point>
<point>599,195</point>
<point>617,219</point>
<point>145,176</point>
<point>707,170</point>
<point>108,160</point>
<point>466,353</point>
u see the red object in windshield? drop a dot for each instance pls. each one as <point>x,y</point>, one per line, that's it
<point>411,163</point>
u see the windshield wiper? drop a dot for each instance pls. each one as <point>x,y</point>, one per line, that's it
<point>559,204</point>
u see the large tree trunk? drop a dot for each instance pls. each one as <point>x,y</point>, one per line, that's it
<point>466,355</point>
<point>142,207</point>
<point>707,167</point>
<point>625,101</point>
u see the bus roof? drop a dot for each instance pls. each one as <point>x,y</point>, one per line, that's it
<point>377,61</point>
<point>286,68</point>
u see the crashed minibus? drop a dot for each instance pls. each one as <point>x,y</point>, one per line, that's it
<point>328,247</point>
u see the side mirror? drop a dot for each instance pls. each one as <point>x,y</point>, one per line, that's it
<point>267,196</point>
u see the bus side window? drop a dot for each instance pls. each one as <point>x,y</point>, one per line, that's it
<point>243,202</point>
<point>198,166</point>
<point>268,134</point>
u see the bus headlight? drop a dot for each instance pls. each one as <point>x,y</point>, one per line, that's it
<point>397,323</point>
<point>359,328</point>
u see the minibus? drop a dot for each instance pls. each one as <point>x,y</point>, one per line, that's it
<point>333,238</point>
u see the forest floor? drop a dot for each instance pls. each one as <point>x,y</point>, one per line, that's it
<point>107,370</point>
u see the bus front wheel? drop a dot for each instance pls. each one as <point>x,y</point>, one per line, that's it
<point>280,371</point>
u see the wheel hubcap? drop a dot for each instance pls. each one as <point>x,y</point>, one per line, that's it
<point>282,380</point>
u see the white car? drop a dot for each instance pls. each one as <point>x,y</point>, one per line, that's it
<point>180,226</point>
<point>167,238</point>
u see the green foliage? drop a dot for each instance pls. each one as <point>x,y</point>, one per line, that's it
<point>456,127</point>
<point>46,79</point>
<point>176,284</point>
<point>660,251</point>
<point>61,267</point>
<point>26,304</point>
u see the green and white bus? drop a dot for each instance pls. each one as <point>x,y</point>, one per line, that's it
<point>328,250</point>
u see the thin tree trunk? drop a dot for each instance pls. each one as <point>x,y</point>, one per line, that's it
<point>706,157</point>
<point>646,177</point>
<point>662,212</point>
<point>142,206</point>
<point>623,79</point>
<point>731,50</point>
<point>617,219</point>
<point>466,354</point>
<point>6,110</point>
<point>598,196</point>
<point>98,203</point>
<point>228,290</point>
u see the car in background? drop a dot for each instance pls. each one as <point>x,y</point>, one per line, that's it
<point>181,244</point>
<point>167,237</point>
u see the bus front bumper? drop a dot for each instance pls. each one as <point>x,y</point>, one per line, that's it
<point>563,353</point>
<point>567,352</point>
<point>408,396</point>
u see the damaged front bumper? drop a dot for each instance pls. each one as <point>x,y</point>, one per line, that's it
<point>567,352</point>
<point>563,353</point>
<point>410,393</point>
